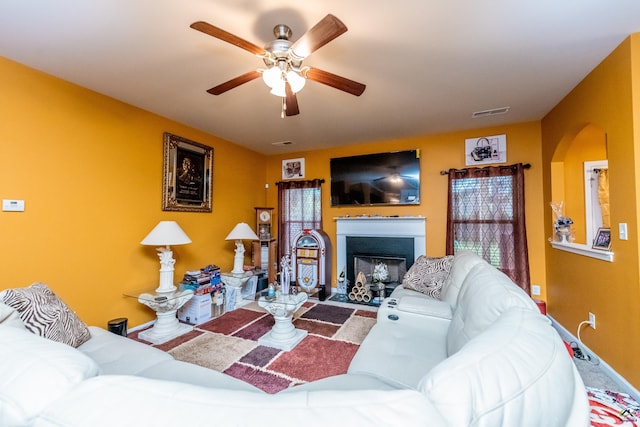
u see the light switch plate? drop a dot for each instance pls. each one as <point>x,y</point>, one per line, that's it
<point>13,205</point>
<point>622,230</point>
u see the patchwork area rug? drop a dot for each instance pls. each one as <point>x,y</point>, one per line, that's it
<point>229,344</point>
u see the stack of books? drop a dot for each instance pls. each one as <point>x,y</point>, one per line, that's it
<point>203,281</point>
<point>208,295</point>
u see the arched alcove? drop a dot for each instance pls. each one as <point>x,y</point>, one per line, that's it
<point>568,177</point>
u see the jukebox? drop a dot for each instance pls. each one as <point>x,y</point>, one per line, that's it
<point>311,262</point>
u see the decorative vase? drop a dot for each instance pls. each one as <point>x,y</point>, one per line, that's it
<point>380,272</point>
<point>343,284</point>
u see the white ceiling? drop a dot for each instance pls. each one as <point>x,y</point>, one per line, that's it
<point>428,65</point>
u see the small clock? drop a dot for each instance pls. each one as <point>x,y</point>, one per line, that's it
<point>263,222</point>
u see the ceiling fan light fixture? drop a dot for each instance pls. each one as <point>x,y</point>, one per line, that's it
<point>285,75</point>
<point>272,77</point>
<point>279,90</point>
<point>296,81</point>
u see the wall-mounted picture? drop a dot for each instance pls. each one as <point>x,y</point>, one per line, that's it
<point>293,168</point>
<point>485,150</point>
<point>188,167</point>
<point>602,239</point>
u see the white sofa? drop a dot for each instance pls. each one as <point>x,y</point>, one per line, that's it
<point>481,356</point>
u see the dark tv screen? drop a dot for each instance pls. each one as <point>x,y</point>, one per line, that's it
<point>376,179</point>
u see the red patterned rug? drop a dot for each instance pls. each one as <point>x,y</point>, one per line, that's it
<point>229,344</point>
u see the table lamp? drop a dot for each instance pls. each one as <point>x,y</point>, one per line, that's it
<point>240,232</point>
<point>164,234</point>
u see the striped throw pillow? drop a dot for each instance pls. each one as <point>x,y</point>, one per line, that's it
<point>427,275</point>
<point>44,314</point>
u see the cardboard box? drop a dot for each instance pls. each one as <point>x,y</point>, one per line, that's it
<point>197,310</point>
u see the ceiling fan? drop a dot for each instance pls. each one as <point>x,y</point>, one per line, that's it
<point>285,74</point>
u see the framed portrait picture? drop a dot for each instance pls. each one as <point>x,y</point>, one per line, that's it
<point>486,150</point>
<point>293,168</point>
<point>188,167</point>
<point>602,239</point>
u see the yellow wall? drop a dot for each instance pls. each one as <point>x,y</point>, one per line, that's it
<point>576,284</point>
<point>438,152</point>
<point>90,171</point>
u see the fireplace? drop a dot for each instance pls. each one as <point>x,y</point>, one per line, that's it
<point>364,253</point>
<point>395,241</point>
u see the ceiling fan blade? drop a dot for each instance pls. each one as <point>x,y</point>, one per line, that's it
<point>235,82</point>
<point>227,37</point>
<point>335,81</point>
<point>317,36</point>
<point>291,101</point>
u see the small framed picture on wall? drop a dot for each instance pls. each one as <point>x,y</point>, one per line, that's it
<point>293,168</point>
<point>602,239</point>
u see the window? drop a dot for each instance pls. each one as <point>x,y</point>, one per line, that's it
<point>300,208</point>
<point>485,215</point>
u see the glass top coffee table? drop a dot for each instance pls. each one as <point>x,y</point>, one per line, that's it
<point>283,335</point>
<point>166,305</point>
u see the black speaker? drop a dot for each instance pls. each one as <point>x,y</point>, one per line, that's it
<point>118,326</point>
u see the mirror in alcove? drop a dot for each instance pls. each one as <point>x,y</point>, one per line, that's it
<point>579,178</point>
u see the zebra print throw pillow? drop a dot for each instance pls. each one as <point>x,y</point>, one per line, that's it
<point>9,317</point>
<point>44,314</point>
<point>427,275</point>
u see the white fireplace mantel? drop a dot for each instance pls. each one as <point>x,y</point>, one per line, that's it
<point>379,226</point>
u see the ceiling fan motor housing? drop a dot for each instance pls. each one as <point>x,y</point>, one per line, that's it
<point>278,50</point>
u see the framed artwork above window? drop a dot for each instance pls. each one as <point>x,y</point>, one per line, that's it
<point>293,168</point>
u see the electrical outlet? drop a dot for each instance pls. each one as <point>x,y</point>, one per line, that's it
<point>592,320</point>
<point>535,290</point>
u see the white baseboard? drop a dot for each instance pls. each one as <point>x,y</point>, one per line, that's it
<point>624,385</point>
<point>143,326</point>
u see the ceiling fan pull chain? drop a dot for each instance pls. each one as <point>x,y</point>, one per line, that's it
<point>284,107</point>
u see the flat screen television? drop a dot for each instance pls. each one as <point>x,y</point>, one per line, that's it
<point>376,179</point>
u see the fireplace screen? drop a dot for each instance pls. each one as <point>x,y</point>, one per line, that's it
<point>386,269</point>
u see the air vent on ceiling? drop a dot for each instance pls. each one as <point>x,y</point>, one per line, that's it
<point>492,112</point>
<point>282,143</point>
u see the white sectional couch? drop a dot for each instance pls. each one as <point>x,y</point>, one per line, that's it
<point>481,356</point>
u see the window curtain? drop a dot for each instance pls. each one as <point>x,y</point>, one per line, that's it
<point>485,214</point>
<point>603,197</point>
<point>299,208</point>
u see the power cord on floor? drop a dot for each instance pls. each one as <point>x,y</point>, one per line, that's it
<point>577,351</point>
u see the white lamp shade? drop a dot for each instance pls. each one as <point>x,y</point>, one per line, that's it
<point>242,231</point>
<point>166,233</point>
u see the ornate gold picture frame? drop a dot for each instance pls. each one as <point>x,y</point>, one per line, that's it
<point>186,183</point>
